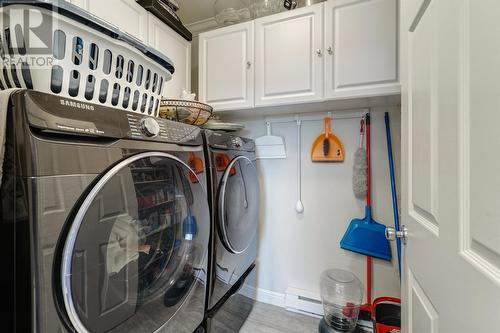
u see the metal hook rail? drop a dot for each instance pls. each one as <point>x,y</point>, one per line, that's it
<point>334,115</point>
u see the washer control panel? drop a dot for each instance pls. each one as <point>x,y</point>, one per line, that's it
<point>142,127</point>
<point>150,127</point>
<point>54,114</point>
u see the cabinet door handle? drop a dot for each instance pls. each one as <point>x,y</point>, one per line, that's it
<point>329,50</point>
<point>319,53</point>
<point>249,64</point>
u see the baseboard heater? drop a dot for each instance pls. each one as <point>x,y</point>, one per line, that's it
<point>305,302</point>
<point>302,301</point>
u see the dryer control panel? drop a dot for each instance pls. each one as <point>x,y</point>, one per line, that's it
<point>229,142</point>
<point>55,114</point>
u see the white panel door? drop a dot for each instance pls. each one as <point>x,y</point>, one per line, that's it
<point>226,67</point>
<point>361,56</point>
<point>289,57</point>
<point>178,49</point>
<point>450,162</point>
<point>125,14</point>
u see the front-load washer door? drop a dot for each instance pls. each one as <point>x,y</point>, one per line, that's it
<point>238,204</point>
<point>136,246</point>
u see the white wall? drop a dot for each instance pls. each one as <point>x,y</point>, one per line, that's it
<point>294,249</point>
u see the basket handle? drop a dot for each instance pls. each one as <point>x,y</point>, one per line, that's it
<point>135,42</point>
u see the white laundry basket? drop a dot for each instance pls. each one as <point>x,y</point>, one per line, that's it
<point>89,59</point>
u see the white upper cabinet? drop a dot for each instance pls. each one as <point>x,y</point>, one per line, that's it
<point>335,50</point>
<point>125,14</point>
<point>226,68</point>
<point>361,48</point>
<point>289,57</point>
<point>178,49</point>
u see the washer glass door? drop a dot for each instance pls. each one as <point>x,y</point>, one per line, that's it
<point>136,246</point>
<point>239,204</point>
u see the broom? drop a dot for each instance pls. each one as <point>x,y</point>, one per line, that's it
<point>366,236</point>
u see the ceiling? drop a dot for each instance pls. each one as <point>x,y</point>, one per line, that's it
<point>195,10</point>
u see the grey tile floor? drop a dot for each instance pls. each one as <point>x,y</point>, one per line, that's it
<point>265,318</point>
<point>242,314</point>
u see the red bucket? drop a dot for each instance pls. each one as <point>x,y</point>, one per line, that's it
<point>386,314</point>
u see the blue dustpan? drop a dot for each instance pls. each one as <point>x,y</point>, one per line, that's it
<point>366,236</point>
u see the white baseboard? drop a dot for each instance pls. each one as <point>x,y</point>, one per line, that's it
<point>263,295</point>
<point>295,300</point>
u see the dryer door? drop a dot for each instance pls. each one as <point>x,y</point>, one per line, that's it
<point>136,246</point>
<point>239,204</point>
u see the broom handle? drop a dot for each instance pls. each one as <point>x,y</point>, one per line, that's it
<point>369,280</point>
<point>368,204</point>
<point>393,187</point>
<point>368,172</point>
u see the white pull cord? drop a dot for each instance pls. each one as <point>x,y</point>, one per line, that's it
<point>299,207</point>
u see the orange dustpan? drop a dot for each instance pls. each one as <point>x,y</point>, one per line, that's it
<point>327,147</point>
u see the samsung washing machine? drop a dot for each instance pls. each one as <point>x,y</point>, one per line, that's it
<point>234,203</point>
<point>104,220</point>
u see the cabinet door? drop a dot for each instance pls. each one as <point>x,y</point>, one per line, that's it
<point>171,44</point>
<point>127,15</point>
<point>289,57</point>
<point>226,67</point>
<point>361,48</point>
